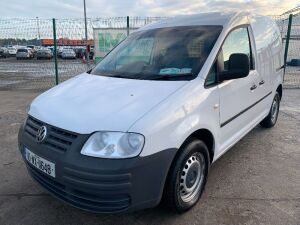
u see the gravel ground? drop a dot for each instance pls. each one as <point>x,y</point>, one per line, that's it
<point>36,74</point>
<point>256,182</point>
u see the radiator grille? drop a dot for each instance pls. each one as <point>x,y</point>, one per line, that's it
<point>57,139</point>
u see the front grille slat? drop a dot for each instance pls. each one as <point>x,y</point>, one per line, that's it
<point>55,147</point>
<point>61,138</point>
<point>34,121</point>
<point>57,139</point>
<point>30,122</point>
<point>32,129</point>
<point>64,133</point>
<point>30,132</point>
<point>57,143</point>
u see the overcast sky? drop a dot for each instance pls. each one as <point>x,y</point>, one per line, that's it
<point>107,8</point>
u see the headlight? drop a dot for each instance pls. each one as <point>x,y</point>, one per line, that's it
<point>114,145</point>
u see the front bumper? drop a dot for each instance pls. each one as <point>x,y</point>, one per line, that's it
<point>95,184</point>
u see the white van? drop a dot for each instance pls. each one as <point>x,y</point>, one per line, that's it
<point>148,121</point>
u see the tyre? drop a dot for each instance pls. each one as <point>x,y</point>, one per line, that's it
<point>187,176</point>
<point>272,117</point>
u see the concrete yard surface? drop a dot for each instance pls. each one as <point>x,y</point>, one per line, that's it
<point>256,182</point>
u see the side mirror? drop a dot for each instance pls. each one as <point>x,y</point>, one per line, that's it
<point>239,67</point>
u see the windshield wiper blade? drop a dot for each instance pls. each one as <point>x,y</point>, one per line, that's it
<point>124,76</point>
<point>169,77</point>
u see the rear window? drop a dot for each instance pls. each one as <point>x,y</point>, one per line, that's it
<point>44,50</point>
<point>22,50</point>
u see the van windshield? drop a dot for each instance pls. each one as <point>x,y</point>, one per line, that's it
<point>172,53</point>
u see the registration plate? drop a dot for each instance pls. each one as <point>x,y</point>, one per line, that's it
<point>40,163</point>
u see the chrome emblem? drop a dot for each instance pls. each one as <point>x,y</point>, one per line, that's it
<point>41,134</point>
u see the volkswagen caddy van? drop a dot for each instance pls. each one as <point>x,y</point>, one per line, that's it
<point>148,121</point>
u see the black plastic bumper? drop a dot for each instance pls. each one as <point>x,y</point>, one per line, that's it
<point>100,185</point>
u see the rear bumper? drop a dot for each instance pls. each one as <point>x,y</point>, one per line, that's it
<point>68,56</point>
<point>100,185</point>
<point>44,56</point>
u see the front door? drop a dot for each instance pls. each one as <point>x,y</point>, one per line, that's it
<point>238,95</point>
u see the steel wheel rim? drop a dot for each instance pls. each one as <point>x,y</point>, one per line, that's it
<point>274,110</point>
<point>192,177</point>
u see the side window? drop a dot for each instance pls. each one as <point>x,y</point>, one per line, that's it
<point>236,42</point>
<point>211,78</point>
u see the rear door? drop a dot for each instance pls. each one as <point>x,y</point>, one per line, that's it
<point>260,79</point>
<point>236,96</point>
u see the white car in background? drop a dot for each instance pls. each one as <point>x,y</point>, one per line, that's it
<point>12,51</point>
<point>24,53</point>
<point>68,54</point>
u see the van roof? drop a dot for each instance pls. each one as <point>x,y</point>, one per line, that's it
<point>212,18</point>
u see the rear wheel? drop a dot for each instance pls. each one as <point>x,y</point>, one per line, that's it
<point>272,117</point>
<point>187,176</point>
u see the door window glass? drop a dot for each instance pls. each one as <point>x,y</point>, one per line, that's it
<point>236,42</point>
<point>211,78</point>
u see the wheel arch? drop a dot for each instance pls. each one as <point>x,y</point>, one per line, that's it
<point>204,135</point>
<point>207,137</point>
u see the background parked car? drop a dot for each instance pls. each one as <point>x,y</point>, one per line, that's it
<point>51,49</point>
<point>24,53</point>
<point>12,51</point>
<point>68,54</point>
<point>4,52</point>
<point>59,52</point>
<point>80,52</point>
<point>33,49</point>
<point>44,54</point>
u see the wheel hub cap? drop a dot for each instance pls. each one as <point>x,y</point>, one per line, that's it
<point>192,176</point>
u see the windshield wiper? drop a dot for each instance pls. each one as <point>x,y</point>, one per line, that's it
<point>170,77</point>
<point>124,76</point>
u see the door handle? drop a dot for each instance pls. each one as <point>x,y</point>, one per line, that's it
<point>253,87</point>
<point>262,82</point>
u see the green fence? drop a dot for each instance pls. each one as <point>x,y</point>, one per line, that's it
<point>70,33</point>
<point>289,25</point>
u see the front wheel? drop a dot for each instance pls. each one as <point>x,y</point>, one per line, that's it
<point>272,117</point>
<point>187,176</point>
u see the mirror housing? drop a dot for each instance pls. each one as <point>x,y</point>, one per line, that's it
<point>239,67</point>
